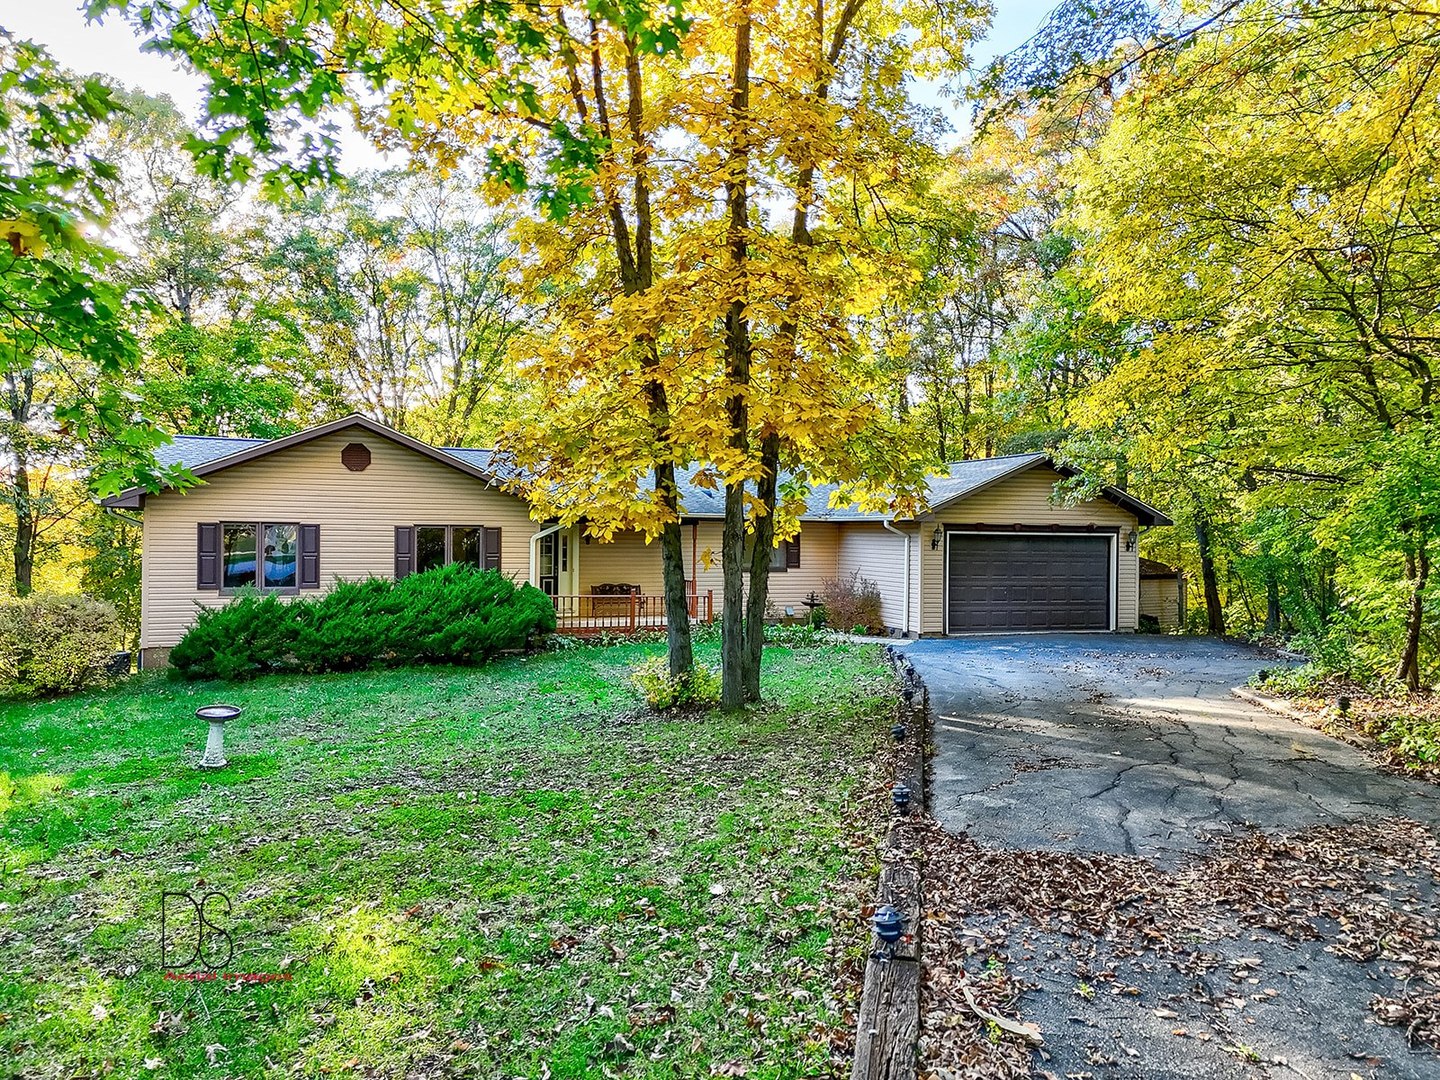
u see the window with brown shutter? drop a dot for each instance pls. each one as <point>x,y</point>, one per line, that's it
<point>425,547</point>
<point>792,554</point>
<point>309,556</point>
<point>207,561</point>
<point>779,556</point>
<point>404,550</point>
<point>266,555</point>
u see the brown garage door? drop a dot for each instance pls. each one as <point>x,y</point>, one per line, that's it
<point>1028,582</point>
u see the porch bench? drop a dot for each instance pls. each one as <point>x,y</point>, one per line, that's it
<point>612,598</point>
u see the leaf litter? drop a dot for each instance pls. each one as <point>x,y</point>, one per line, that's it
<point>1364,890</point>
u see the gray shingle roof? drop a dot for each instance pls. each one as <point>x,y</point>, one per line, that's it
<point>193,450</point>
<point>961,477</point>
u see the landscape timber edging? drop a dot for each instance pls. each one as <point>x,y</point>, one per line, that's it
<point>888,1021</point>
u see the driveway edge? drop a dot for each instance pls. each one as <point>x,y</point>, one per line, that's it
<point>888,1021</point>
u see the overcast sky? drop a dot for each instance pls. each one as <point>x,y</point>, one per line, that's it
<point>110,48</point>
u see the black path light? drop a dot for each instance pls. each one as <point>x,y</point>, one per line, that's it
<point>218,716</point>
<point>900,793</point>
<point>889,925</point>
<point>898,731</point>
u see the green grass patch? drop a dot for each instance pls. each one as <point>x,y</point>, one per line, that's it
<point>507,871</point>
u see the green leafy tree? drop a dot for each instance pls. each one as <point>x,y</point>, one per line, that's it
<point>68,357</point>
<point>1262,207</point>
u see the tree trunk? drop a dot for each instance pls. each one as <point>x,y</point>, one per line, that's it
<point>732,613</point>
<point>759,599</point>
<point>1214,610</point>
<point>24,525</point>
<point>1272,601</point>
<point>1417,573</point>
<point>19,398</point>
<point>672,558</point>
<point>733,650</point>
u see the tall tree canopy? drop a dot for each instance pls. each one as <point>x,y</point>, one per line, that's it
<point>1264,205</point>
<point>67,351</point>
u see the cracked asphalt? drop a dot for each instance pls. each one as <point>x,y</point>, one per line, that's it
<point>1134,745</point>
<point>1131,745</point>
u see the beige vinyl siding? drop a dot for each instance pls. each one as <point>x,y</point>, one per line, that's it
<point>819,546</point>
<point>357,514</point>
<point>629,560</point>
<point>917,575</point>
<point>1025,500</point>
<point>625,560</point>
<point>878,555</point>
<point>819,555</point>
<point>1160,598</point>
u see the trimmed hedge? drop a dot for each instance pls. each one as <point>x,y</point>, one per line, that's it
<point>53,643</point>
<point>452,615</point>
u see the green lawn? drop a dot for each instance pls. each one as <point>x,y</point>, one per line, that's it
<point>507,871</point>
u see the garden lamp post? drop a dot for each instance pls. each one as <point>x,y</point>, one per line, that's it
<point>218,716</point>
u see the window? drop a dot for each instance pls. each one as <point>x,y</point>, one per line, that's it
<point>424,547</point>
<point>277,566</point>
<point>467,545</point>
<point>281,553</point>
<point>429,547</point>
<point>238,547</point>
<point>269,555</point>
<point>783,556</point>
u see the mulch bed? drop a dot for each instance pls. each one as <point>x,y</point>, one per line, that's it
<point>1362,889</point>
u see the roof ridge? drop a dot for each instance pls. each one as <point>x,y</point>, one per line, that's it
<point>998,457</point>
<point>226,438</point>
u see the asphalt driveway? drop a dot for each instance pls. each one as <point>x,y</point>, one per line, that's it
<point>1131,745</point>
<point>1133,748</point>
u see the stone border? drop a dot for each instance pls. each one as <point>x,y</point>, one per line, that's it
<point>888,1021</point>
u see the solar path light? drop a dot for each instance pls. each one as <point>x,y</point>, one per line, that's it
<point>889,926</point>
<point>218,716</point>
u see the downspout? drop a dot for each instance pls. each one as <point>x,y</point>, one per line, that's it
<point>123,517</point>
<point>535,539</point>
<point>890,527</point>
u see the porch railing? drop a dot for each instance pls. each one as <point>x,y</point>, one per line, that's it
<point>624,613</point>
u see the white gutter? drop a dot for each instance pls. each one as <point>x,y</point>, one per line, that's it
<point>535,538</point>
<point>889,526</point>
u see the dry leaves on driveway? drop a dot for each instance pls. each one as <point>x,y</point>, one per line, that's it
<point>1365,890</point>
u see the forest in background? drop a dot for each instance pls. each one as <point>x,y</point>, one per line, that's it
<point>1194,253</point>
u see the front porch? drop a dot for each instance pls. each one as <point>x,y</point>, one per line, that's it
<point>593,613</point>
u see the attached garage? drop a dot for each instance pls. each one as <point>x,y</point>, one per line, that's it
<point>996,582</point>
<point>1004,549</point>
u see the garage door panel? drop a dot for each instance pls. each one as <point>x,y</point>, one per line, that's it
<point>1027,582</point>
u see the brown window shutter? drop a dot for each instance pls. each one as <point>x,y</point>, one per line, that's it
<point>792,554</point>
<point>492,549</point>
<point>404,550</point>
<point>207,561</point>
<point>309,556</point>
